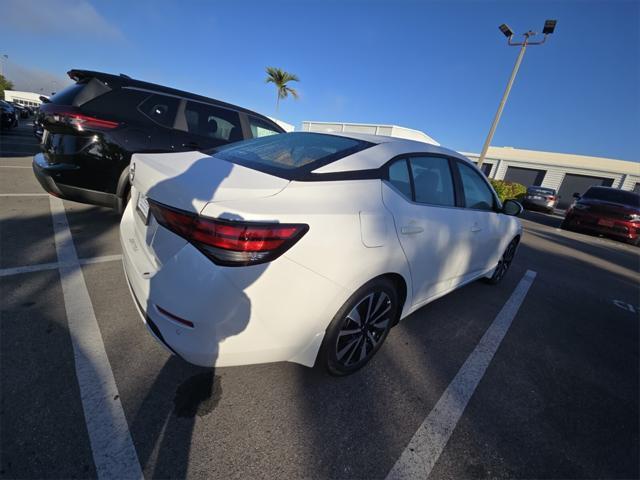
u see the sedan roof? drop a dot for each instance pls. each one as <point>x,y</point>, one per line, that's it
<point>383,150</point>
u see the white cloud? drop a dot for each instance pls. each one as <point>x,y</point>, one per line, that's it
<point>67,18</point>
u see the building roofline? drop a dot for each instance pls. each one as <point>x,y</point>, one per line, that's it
<point>561,159</point>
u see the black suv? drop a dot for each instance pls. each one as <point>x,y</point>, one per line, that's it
<point>91,129</point>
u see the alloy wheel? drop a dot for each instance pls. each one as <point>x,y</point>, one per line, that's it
<point>505,261</point>
<point>363,329</point>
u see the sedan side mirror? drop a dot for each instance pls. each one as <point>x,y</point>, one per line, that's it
<point>576,195</point>
<point>511,207</point>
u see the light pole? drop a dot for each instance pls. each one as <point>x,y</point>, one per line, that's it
<point>549,27</point>
<point>2,59</point>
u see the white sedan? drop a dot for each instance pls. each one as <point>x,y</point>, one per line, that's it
<point>305,247</point>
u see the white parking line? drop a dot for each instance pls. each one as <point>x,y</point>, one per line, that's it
<point>24,194</point>
<point>424,449</point>
<point>113,451</point>
<point>5,272</point>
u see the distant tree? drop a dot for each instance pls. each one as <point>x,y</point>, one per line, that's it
<point>280,79</point>
<point>4,85</point>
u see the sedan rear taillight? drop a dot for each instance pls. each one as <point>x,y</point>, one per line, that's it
<point>230,243</point>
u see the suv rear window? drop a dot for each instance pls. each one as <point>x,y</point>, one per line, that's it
<point>289,155</point>
<point>80,93</point>
<point>613,195</point>
<point>66,96</point>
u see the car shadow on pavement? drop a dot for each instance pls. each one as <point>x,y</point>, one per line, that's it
<point>163,426</point>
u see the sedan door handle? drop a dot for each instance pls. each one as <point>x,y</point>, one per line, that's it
<point>411,230</point>
<point>193,145</point>
<point>475,227</point>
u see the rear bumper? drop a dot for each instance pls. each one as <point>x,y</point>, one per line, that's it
<point>622,229</point>
<point>241,315</point>
<point>538,205</point>
<point>46,175</point>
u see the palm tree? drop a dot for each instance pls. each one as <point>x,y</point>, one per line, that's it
<point>280,78</point>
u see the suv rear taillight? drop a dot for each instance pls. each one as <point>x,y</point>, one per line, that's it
<point>230,243</point>
<point>82,122</point>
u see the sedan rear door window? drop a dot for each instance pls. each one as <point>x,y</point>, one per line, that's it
<point>399,177</point>
<point>432,181</point>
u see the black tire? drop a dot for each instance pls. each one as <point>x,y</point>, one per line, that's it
<point>359,328</point>
<point>124,201</point>
<point>565,225</point>
<point>505,262</point>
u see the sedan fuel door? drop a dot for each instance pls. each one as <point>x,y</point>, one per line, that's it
<point>419,192</point>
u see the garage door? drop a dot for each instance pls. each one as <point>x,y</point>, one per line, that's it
<point>525,176</point>
<point>578,183</point>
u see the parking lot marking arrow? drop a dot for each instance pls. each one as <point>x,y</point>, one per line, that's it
<point>424,449</point>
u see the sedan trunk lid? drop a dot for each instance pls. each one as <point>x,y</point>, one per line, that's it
<point>190,180</point>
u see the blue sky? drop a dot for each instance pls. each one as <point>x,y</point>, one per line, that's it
<point>439,67</point>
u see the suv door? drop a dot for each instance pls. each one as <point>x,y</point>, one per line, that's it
<point>481,208</point>
<point>419,191</point>
<point>201,126</point>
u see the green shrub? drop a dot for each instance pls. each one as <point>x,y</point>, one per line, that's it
<point>506,190</point>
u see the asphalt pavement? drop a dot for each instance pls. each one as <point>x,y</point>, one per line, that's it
<point>558,398</point>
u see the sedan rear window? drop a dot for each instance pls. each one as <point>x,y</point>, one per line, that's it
<point>289,155</point>
<point>614,196</point>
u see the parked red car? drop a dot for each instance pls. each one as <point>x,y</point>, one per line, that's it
<point>607,211</point>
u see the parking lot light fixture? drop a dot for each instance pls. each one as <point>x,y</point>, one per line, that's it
<point>548,29</point>
<point>504,28</point>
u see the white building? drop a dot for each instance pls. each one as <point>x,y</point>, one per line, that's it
<point>30,99</point>
<point>373,129</point>
<point>564,172</point>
